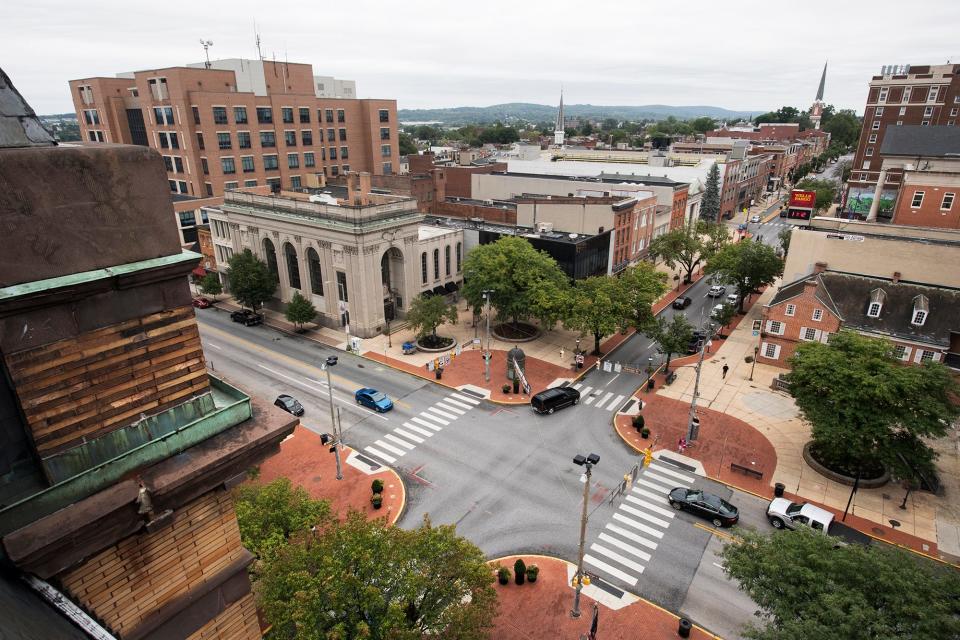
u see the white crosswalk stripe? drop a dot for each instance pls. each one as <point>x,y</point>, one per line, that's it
<point>636,524</point>
<point>608,569</point>
<point>615,403</point>
<point>643,515</point>
<point>419,430</point>
<point>426,423</point>
<point>408,435</point>
<point>666,513</point>
<point>447,407</point>
<point>650,484</point>
<point>589,400</point>
<point>600,403</point>
<point>655,479</point>
<point>662,468</point>
<point>380,454</point>
<point>390,448</point>
<point>440,412</point>
<point>464,398</point>
<point>399,441</point>
<point>656,497</point>
<point>613,555</point>
<point>620,544</point>
<point>649,544</point>
<point>585,391</point>
<point>462,405</point>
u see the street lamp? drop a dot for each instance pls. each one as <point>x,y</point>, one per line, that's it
<point>337,435</point>
<point>693,422</point>
<point>486,356</point>
<point>756,352</point>
<point>579,579</point>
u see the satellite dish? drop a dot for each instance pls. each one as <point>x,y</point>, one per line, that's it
<point>573,236</point>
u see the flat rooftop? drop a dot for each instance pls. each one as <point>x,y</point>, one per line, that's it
<point>509,230</point>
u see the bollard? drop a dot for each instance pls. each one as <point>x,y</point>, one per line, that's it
<point>778,489</point>
<point>684,629</point>
<point>650,384</point>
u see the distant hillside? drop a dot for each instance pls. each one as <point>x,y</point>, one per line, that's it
<point>523,111</point>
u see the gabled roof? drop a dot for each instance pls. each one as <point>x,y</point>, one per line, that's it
<point>795,288</point>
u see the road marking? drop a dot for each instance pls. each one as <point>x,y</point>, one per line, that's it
<point>645,516</point>
<point>632,536</point>
<point>623,545</point>
<point>380,454</point>
<point>400,441</point>
<point>589,400</point>
<point>656,497</point>
<point>655,477</point>
<point>447,407</point>
<point>407,434</point>
<point>648,482</point>
<point>661,468</point>
<point>215,346</point>
<point>638,525</point>
<point>301,383</point>
<point>600,403</point>
<point>439,412</point>
<point>714,531</point>
<point>613,571</point>
<point>611,380</point>
<point>578,385</point>
<point>417,429</point>
<point>629,562</point>
<point>615,403</point>
<point>429,425</point>
<point>465,399</point>
<point>666,513</point>
<point>390,448</point>
<point>459,404</point>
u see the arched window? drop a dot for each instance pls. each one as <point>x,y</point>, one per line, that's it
<point>436,264</point>
<point>293,265</point>
<point>316,277</point>
<point>459,257</point>
<point>423,266</point>
<point>446,260</point>
<point>271,256</point>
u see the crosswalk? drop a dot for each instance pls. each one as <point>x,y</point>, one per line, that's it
<point>417,429</point>
<point>628,541</point>
<point>599,399</point>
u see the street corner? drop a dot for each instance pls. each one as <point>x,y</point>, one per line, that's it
<point>308,462</point>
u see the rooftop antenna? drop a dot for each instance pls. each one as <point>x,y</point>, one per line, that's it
<point>206,50</point>
<point>257,34</point>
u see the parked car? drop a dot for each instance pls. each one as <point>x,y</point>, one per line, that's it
<point>549,400</point>
<point>201,303</point>
<point>682,302</point>
<point>289,404</point>
<point>373,399</point>
<point>247,317</point>
<point>733,299</point>
<point>717,311</point>
<point>754,218</point>
<point>696,341</point>
<point>706,505</point>
<point>716,291</point>
<point>784,514</point>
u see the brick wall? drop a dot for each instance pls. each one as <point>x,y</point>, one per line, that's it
<point>930,212</point>
<point>470,210</point>
<point>459,178</point>
<point>237,622</point>
<point>795,317</point>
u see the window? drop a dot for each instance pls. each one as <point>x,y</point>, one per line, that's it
<point>187,219</point>
<point>878,111</point>
<point>316,276</point>
<point>927,112</point>
<point>200,141</point>
<point>173,185</point>
<point>344,154</point>
<point>264,115</point>
<point>387,168</point>
<point>287,114</point>
<point>196,114</point>
<point>205,166</point>
<point>158,88</point>
<point>249,183</point>
<point>163,115</point>
<point>334,170</point>
<point>223,140</point>
<point>164,141</point>
<point>423,267</point>
<point>341,116</point>
<point>183,186</point>
<point>459,256</point>
<point>304,115</point>
<point>385,150</point>
<point>947,202</point>
<point>306,136</point>
<point>247,163</point>
<point>178,164</point>
<point>950,123</point>
<point>240,115</point>
<point>903,111</point>
<point>917,199</point>
<point>791,309</point>
<point>899,123</point>
<point>293,265</point>
<point>168,163</point>
<point>270,162</point>
<point>771,350</point>
<point>907,92</point>
<point>243,139</point>
<point>309,160</point>
<point>342,286</point>
<point>869,152</point>
<point>874,310</point>
<point>446,260</point>
<point>873,138</point>
<point>329,113</point>
<point>384,115</point>
<point>331,135</point>
<point>436,264</point>
<point>295,183</point>
<point>86,94</point>
<point>323,154</point>
<point>925,123</point>
<point>209,188</point>
<point>932,94</point>
<point>345,168</point>
<point>220,115</point>
<point>333,153</point>
<point>926,356</point>
<point>228,165</point>
<point>775,327</point>
<point>883,94</point>
<point>384,133</point>
<point>230,186</point>
<point>900,352</point>
<point>808,334</point>
<point>954,111</point>
<point>876,125</point>
<point>274,185</point>
<point>174,141</point>
<point>343,135</point>
<point>293,161</point>
<point>268,139</point>
<point>921,307</point>
<point>817,315</point>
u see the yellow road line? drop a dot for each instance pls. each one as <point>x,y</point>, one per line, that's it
<point>716,532</point>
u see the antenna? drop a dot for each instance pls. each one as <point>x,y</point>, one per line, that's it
<point>206,50</point>
<point>257,35</point>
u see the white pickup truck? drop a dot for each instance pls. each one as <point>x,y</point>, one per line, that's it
<point>784,514</point>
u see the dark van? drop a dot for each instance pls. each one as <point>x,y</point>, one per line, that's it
<point>556,398</point>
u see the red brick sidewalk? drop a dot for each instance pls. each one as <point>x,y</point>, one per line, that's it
<point>542,610</point>
<point>310,464</point>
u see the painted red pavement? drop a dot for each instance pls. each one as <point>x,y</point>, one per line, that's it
<point>534,611</point>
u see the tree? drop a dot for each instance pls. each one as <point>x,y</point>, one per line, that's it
<point>826,191</point>
<point>356,578</point>
<point>703,125</point>
<point>599,305</point>
<point>783,115</point>
<point>843,127</point>
<point>525,282</point>
<point>724,316</point>
<point>407,146</point>
<point>211,286</point>
<point>749,265</point>
<point>714,237</point>
<point>865,407</point>
<point>642,286</point>
<point>426,313</point>
<point>300,310</point>
<point>807,587</point>
<point>672,336</point>
<point>784,238</point>
<point>251,281</point>
<point>681,246</point>
<point>710,205</point>
<point>269,514</point>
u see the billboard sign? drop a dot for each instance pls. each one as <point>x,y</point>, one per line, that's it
<point>803,199</point>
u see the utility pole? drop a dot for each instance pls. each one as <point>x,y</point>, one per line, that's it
<point>693,423</point>
<point>486,355</point>
<point>579,579</point>
<point>333,422</point>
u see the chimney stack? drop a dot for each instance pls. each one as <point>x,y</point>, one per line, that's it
<point>819,267</point>
<point>896,277</point>
<point>358,189</point>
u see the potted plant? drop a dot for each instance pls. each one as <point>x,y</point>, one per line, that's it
<point>377,486</point>
<point>638,422</point>
<point>376,500</point>
<point>532,572</point>
<point>645,433</point>
<point>505,388</point>
<point>503,575</point>
<point>519,571</point>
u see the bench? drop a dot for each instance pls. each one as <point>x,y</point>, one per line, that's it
<point>748,471</point>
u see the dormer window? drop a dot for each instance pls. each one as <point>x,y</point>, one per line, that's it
<point>921,309</point>
<point>877,298</point>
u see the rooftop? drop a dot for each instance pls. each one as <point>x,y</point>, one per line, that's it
<point>510,230</point>
<point>917,140</point>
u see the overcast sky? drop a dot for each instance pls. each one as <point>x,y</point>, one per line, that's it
<point>739,54</point>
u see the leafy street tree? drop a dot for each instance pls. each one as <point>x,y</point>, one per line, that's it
<point>642,286</point>
<point>783,115</point>
<point>356,578</point>
<point>270,514</point>
<point>672,336</point>
<point>710,205</point>
<point>686,246</point>
<point>749,265</point>
<point>843,127</point>
<point>865,407</point>
<point>211,286</point>
<point>525,282</point>
<point>724,316</point>
<point>715,236</point>
<point>300,310</point>
<point>426,313</point>
<point>407,145</point>
<point>251,281</point>
<point>826,191</point>
<point>806,587</point>
<point>599,305</point>
<point>704,124</point>
<point>784,238</point>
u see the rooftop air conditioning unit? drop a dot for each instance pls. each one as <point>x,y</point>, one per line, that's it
<point>544,227</point>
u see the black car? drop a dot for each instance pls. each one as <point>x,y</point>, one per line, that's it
<point>289,404</point>
<point>696,341</point>
<point>550,400</point>
<point>706,505</point>
<point>247,317</point>
<point>682,302</point>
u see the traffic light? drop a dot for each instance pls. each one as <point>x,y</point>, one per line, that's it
<point>647,457</point>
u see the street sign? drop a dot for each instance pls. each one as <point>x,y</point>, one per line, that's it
<point>607,366</point>
<point>617,367</point>
<point>756,328</point>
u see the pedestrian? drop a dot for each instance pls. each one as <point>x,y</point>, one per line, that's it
<point>726,368</point>
<point>682,445</point>
<point>598,364</point>
<point>561,354</point>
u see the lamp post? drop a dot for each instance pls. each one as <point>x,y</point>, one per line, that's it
<point>578,579</point>
<point>693,423</point>
<point>331,361</point>
<point>486,356</point>
<point>753,365</point>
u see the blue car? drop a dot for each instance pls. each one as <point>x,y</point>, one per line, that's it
<point>373,399</point>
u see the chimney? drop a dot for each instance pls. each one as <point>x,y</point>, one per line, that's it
<point>820,267</point>
<point>809,286</point>
<point>896,277</point>
<point>358,188</point>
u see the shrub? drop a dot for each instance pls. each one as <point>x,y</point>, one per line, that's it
<point>505,388</point>
<point>519,571</point>
<point>376,500</point>
<point>645,433</point>
<point>532,572</point>
<point>748,359</point>
<point>503,575</point>
<point>638,422</point>
<point>377,486</point>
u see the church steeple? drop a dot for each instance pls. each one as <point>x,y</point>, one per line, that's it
<point>816,110</point>
<point>558,127</point>
<point>823,82</point>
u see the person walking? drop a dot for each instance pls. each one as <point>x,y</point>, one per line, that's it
<point>561,354</point>
<point>682,445</point>
<point>726,368</point>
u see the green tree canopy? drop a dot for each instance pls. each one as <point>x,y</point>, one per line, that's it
<point>269,514</point>
<point>498,134</point>
<point>686,246</point>
<point>251,281</point>
<point>807,587</point>
<point>783,115</point>
<point>865,406</point>
<point>642,286</point>
<point>407,146</point>
<point>783,237</point>
<point>426,313</point>
<point>300,310</point>
<point>525,282</point>
<point>600,306</point>
<point>710,205</point>
<point>704,124</point>
<point>356,578</point>
<point>672,336</point>
<point>211,286</point>
<point>826,191</point>
<point>843,127</point>
<point>724,316</point>
<point>749,265</point>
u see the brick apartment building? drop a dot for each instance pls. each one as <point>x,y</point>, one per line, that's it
<point>926,95</point>
<point>927,161</point>
<point>240,123</point>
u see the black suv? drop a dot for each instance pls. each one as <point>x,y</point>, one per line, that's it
<point>696,341</point>
<point>247,317</point>
<point>289,404</point>
<point>556,398</point>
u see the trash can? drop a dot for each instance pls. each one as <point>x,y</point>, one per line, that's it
<point>684,629</point>
<point>778,489</point>
<point>439,372</point>
<point>650,384</point>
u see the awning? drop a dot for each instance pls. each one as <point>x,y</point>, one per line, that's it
<point>439,290</point>
<point>450,287</point>
<point>199,272</point>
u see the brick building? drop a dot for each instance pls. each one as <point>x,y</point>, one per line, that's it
<point>240,123</point>
<point>925,95</point>
<point>117,448</point>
